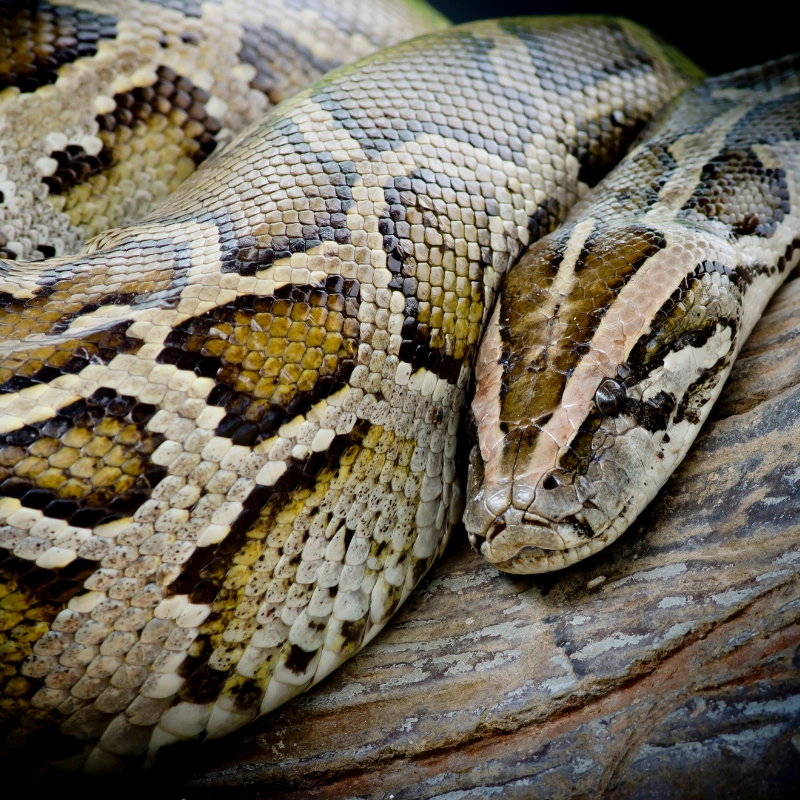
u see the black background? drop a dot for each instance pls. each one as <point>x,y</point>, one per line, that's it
<point>718,36</point>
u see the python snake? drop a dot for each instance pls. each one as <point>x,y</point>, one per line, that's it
<point>229,423</point>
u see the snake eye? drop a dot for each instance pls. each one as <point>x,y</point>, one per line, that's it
<point>610,397</point>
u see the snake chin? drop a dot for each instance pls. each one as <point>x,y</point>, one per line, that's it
<point>535,560</point>
<point>524,543</point>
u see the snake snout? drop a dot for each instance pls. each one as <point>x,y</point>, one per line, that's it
<point>551,521</point>
<point>528,545</point>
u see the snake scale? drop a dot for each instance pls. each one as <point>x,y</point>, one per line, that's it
<point>230,397</point>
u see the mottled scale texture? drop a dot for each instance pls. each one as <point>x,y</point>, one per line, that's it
<point>229,429</point>
<point>614,335</point>
<point>146,91</point>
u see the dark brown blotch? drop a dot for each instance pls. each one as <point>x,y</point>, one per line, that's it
<point>36,39</point>
<point>298,660</point>
<point>271,357</point>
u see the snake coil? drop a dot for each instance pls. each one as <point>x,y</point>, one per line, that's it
<point>230,397</point>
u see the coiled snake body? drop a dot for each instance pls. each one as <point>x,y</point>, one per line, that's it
<point>228,426</point>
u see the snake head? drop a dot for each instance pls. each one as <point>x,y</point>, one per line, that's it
<point>593,379</point>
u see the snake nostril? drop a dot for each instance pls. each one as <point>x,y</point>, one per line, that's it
<point>557,477</point>
<point>550,482</point>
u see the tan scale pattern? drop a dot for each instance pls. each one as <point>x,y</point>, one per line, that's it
<point>294,329</point>
<point>145,92</point>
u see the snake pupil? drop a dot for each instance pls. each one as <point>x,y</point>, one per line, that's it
<point>610,397</point>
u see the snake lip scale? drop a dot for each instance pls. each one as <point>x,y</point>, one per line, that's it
<point>244,287</point>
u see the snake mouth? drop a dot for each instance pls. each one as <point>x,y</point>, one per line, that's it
<point>538,545</point>
<point>504,540</point>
